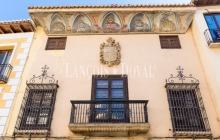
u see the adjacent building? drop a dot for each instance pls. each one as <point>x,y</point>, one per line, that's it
<point>206,25</point>
<point>15,41</point>
<point>116,72</point>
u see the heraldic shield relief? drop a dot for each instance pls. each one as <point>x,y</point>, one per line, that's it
<point>110,53</point>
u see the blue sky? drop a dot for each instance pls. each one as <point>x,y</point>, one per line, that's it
<point>17,9</point>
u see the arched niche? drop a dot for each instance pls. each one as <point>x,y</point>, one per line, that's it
<point>57,24</point>
<point>140,23</point>
<point>168,22</point>
<point>82,24</point>
<point>111,23</point>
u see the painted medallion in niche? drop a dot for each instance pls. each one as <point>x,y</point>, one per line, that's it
<point>111,24</point>
<point>139,23</point>
<point>57,28</point>
<point>81,24</point>
<point>57,25</point>
<point>167,22</point>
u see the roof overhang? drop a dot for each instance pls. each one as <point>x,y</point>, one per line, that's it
<point>113,19</point>
<point>17,26</point>
<point>205,2</point>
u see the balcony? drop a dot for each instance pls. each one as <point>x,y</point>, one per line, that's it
<point>212,37</point>
<point>109,118</point>
<point>5,70</point>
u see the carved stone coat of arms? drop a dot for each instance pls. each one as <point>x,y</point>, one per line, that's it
<point>110,53</point>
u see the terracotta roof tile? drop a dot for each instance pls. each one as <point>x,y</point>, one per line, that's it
<point>112,6</point>
<point>16,21</point>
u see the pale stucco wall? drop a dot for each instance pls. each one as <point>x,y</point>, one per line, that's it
<point>209,56</point>
<point>142,49</point>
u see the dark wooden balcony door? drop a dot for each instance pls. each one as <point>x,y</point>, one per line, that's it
<point>110,88</point>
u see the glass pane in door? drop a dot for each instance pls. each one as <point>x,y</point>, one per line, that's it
<point>212,25</point>
<point>217,17</point>
<point>217,33</point>
<point>8,57</point>
<point>2,56</point>
<point>210,21</point>
<point>3,59</point>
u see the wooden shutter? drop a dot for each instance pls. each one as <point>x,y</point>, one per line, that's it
<point>56,43</point>
<point>170,42</point>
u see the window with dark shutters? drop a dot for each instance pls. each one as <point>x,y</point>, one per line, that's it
<point>56,43</point>
<point>170,42</point>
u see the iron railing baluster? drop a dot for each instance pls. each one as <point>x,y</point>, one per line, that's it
<point>109,111</point>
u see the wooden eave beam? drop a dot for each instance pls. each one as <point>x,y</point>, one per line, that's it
<point>215,1</point>
<point>1,31</point>
<point>205,2</point>
<point>31,28</point>
<point>19,26</point>
<point>9,27</point>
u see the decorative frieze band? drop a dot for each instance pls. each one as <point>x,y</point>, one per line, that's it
<point>114,22</point>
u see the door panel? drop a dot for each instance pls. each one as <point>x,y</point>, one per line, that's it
<point>101,110</point>
<point>117,93</point>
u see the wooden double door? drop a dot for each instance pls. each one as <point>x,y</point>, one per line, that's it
<point>109,90</point>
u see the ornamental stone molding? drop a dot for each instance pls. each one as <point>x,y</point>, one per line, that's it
<point>67,22</point>
<point>112,130</point>
<point>110,53</point>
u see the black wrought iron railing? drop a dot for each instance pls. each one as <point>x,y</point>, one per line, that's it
<point>212,35</point>
<point>5,70</point>
<point>133,111</point>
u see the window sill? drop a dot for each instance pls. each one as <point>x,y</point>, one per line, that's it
<point>113,130</point>
<point>192,133</point>
<point>214,45</point>
<point>25,132</point>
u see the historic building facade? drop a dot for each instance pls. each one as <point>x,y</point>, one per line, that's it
<point>114,72</point>
<point>15,41</point>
